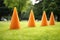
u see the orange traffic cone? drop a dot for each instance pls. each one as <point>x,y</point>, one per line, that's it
<point>52,21</point>
<point>31,21</point>
<point>44,19</point>
<point>14,20</point>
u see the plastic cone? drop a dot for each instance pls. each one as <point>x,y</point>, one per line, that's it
<point>14,20</point>
<point>31,21</point>
<point>44,19</point>
<point>52,21</point>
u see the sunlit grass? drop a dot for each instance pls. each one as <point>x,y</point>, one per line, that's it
<point>30,33</point>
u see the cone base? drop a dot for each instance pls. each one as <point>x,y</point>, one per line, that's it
<point>31,26</point>
<point>44,25</point>
<point>51,24</point>
<point>14,28</point>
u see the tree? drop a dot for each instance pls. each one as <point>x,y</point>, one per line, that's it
<point>37,8</point>
<point>20,4</point>
<point>43,5</point>
<point>16,3</point>
<point>58,10</point>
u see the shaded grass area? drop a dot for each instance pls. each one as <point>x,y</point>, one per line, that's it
<point>28,33</point>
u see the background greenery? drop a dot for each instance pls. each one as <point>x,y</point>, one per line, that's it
<point>24,7</point>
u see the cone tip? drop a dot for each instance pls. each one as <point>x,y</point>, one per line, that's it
<point>31,10</point>
<point>51,12</point>
<point>14,8</point>
<point>44,12</point>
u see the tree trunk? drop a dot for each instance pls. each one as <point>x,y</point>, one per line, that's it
<point>0,17</point>
<point>19,14</point>
<point>58,17</point>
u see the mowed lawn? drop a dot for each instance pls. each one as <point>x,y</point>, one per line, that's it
<point>30,33</point>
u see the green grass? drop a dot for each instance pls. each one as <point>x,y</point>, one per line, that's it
<point>30,33</point>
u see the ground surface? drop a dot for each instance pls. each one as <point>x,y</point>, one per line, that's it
<point>28,33</point>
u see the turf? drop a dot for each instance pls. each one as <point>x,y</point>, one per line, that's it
<point>30,33</point>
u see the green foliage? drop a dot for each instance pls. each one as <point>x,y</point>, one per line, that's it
<point>47,5</point>
<point>20,4</point>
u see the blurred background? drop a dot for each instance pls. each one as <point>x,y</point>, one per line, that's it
<point>24,7</point>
